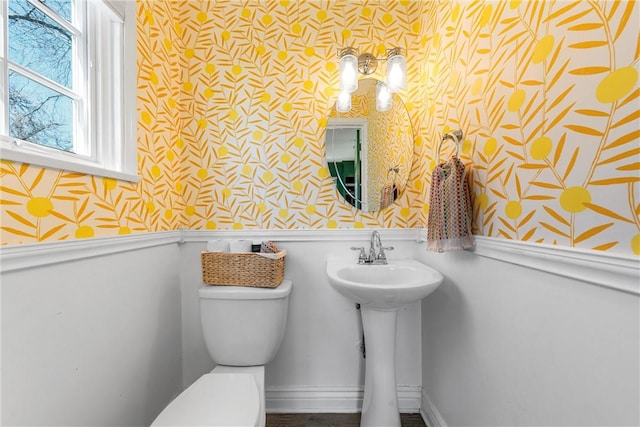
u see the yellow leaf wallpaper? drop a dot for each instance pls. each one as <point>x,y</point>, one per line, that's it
<point>233,98</point>
<point>547,94</point>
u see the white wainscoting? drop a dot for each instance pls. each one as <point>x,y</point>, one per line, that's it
<point>522,334</point>
<point>90,331</point>
<point>319,367</point>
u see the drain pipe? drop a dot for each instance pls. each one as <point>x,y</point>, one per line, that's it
<point>362,346</point>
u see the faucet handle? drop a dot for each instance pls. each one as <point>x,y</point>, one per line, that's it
<point>362,257</point>
<point>381,255</point>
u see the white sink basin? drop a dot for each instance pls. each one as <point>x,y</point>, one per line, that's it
<point>381,290</point>
<point>383,286</point>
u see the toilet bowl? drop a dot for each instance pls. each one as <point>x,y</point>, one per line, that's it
<point>243,328</point>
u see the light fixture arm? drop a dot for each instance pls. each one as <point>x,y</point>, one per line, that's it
<point>367,62</point>
<point>394,51</point>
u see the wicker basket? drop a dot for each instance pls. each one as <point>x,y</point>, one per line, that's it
<point>242,269</point>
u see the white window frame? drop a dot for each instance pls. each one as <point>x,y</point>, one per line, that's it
<point>106,128</point>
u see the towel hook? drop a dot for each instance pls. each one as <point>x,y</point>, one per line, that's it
<point>455,136</point>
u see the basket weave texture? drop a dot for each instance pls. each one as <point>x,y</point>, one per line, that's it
<point>241,269</point>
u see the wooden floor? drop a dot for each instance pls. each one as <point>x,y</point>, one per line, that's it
<point>332,420</point>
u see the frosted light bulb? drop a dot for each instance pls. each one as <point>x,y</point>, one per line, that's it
<point>383,97</point>
<point>396,72</point>
<point>343,104</point>
<point>348,73</point>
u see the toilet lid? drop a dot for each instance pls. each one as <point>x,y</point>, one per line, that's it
<point>246,292</point>
<point>215,400</point>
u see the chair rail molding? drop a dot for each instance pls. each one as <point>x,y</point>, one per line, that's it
<point>614,271</point>
<point>20,257</point>
<point>610,270</point>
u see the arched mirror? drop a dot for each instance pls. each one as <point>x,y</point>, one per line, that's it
<point>368,151</point>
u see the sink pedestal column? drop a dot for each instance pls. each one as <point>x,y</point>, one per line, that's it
<point>380,404</point>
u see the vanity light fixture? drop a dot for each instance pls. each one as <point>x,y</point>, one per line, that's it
<point>351,62</point>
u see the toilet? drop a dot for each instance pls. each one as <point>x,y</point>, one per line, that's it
<point>243,328</point>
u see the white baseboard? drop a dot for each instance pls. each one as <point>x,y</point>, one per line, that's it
<point>336,399</point>
<point>430,414</point>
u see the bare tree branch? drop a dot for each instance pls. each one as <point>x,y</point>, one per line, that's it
<point>27,18</point>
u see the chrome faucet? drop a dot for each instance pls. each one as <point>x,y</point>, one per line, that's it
<point>376,251</point>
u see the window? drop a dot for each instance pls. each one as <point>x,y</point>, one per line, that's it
<point>67,85</point>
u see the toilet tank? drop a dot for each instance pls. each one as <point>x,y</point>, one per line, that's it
<point>244,326</point>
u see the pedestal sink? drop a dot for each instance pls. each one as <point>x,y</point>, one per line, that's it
<point>381,290</point>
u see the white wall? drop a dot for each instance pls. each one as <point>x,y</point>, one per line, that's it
<point>100,332</point>
<point>109,336</point>
<point>318,367</point>
<point>92,341</point>
<point>505,345</point>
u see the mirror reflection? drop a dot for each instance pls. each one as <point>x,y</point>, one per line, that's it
<point>368,151</point>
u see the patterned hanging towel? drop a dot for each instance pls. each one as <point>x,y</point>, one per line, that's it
<point>450,213</point>
<point>387,195</point>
